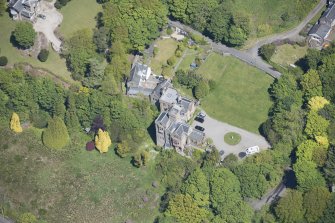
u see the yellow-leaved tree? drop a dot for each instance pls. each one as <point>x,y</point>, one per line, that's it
<point>316,103</point>
<point>102,141</point>
<point>15,125</point>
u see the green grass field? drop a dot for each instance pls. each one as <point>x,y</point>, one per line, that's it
<point>167,48</point>
<point>288,54</point>
<point>241,97</point>
<point>79,14</point>
<point>55,64</point>
<point>73,186</point>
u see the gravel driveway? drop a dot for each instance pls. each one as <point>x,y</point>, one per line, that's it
<point>216,130</point>
<point>50,23</point>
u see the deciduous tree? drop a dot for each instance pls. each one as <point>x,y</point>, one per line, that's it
<point>315,202</point>
<point>290,208</point>
<point>24,34</point>
<point>15,125</point>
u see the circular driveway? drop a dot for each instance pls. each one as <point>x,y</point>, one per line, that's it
<point>216,130</point>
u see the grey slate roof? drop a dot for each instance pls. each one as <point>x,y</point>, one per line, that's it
<point>329,15</point>
<point>181,128</point>
<point>170,95</point>
<point>163,119</point>
<point>185,104</point>
<point>164,84</point>
<point>197,135</point>
<point>320,30</point>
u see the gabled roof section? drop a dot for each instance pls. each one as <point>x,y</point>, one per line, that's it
<point>320,30</point>
<point>329,15</point>
<point>163,119</point>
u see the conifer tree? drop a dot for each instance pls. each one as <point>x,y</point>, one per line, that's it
<point>102,141</point>
<point>56,135</point>
<point>329,168</point>
<point>15,125</point>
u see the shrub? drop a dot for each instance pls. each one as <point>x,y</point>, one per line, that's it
<point>267,51</point>
<point>90,146</point>
<point>63,2</point>
<point>58,5</point>
<point>212,85</point>
<point>39,119</point>
<point>56,135</point>
<point>3,61</point>
<point>156,50</point>
<point>169,31</point>
<point>171,60</point>
<point>43,55</point>
<point>24,34</point>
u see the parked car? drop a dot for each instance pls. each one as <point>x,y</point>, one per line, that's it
<point>199,128</point>
<point>252,150</point>
<point>41,16</point>
<point>198,119</point>
<point>202,115</point>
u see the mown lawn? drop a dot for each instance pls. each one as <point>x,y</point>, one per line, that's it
<point>241,97</point>
<point>54,63</point>
<point>166,49</point>
<point>74,186</point>
<point>288,54</point>
<point>79,14</point>
<point>187,60</point>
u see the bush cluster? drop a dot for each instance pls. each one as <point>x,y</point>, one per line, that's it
<point>3,61</point>
<point>43,55</point>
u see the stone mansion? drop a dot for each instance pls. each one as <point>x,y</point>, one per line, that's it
<point>172,129</point>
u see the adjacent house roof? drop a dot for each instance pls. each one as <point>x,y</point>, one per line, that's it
<point>320,30</point>
<point>197,135</point>
<point>181,128</point>
<point>170,95</point>
<point>329,15</point>
<point>163,119</point>
<point>23,7</point>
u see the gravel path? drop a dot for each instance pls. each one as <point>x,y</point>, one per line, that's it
<point>48,25</point>
<point>216,130</point>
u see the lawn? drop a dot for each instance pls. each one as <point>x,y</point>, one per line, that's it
<point>79,14</point>
<point>288,54</point>
<point>241,97</point>
<point>232,138</point>
<point>166,49</point>
<point>74,186</point>
<point>55,64</point>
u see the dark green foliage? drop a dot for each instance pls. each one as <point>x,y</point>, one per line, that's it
<point>307,175</point>
<point>266,51</point>
<point>171,61</point>
<point>134,23</point>
<point>43,55</point>
<point>329,213</point>
<point>101,39</point>
<point>56,135</point>
<point>315,202</point>
<point>39,119</point>
<point>58,5</point>
<point>290,207</point>
<point>230,161</point>
<point>79,49</point>
<point>3,61</point>
<point>24,34</point>
<point>95,74</point>
<point>329,168</point>
<point>189,80</point>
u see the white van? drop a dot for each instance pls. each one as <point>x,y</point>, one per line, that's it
<point>252,150</point>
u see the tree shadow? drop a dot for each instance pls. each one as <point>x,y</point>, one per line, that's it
<point>152,131</point>
<point>242,155</point>
<point>289,179</point>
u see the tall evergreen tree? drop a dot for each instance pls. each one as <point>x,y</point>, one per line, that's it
<point>56,135</point>
<point>329,168</point>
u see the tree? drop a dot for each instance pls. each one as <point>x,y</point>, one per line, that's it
<point>122,149</point>
<point>95,74</point>
<point>329,168</point>
<point>316,125</point>
<point>311,84</point>
<point>315,202</point>
<point>43,55</point>
<point>266,51</point>
<point>102,141</point>
<point>307,175</point>
<point>201,90</point>
<point>140,159</point>
<point>3,60</point>
<point>78,50</point>
<point>24,34</point>
<point>290,208</point>
<point>329,213</point>
<point>197,186</point>
<point>306,149</point>
<point>185,210</point>
<point>56,135</point>
<point>316,103</point>
<point>71,118</point>
<point>101,39</point>
<point>15,125</point>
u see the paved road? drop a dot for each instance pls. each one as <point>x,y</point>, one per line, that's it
<point>291,34</point>
<point>268,198</point>
<point>216,131</point>
<point>251,56</point>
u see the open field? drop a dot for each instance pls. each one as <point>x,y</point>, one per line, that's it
<point>241,97</point>
<point>54,63</point>
<point>288,54</point>
<point>79,14</point>
<point>167,48</point>
<point>73,185</point>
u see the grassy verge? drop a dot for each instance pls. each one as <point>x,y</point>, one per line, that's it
<point>79,14</point>
<point>241,97</point>
<point>288,54</point>
<point>232,138</point>
<point>55,63</point>
<point>73,185</point>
